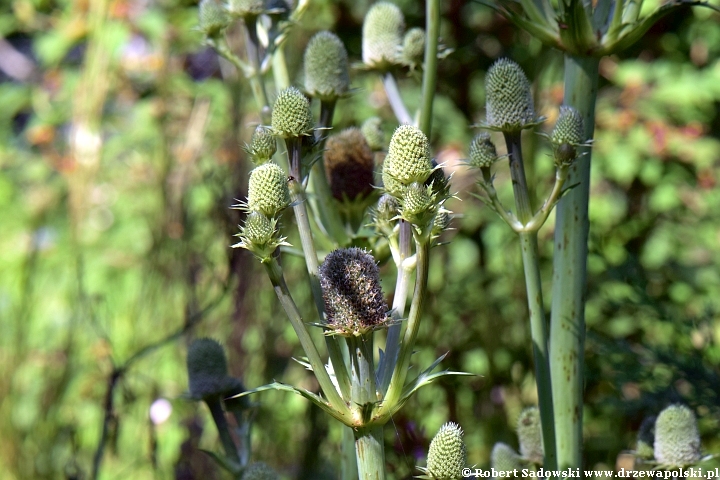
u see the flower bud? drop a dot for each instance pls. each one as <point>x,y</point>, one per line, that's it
<point>372,130</point>
<point>482,151</point>
<point>246,9</point>
<point>419,206</point>
<point>326,67</point>
<point>291,115</point>
<point>259,471</point>
<point>349,164</point>
<point>447,455</point>
<point>207,371</point>
<point>413,49</point>
<point>509,105</point>
<point>408,159</point>
<point>212,18</point>
<point>441,223</point>
<point>350,282</point>
<point>567,135</point>
<point>258,229</point>
<point>268,190</point>
<point>529,432</point>
<point>504,458</point>
<point>677,441</point>
<point>384,214</point>
<point>646,438</point>
<point>382,35</point>
<point>262,145</point>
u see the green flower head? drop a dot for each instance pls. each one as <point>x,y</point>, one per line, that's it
<point>413,49</point>
<point>262,145</point>
<point>326,67</point>
<point>504,458</point>
<point>509,104</point>
<point>677,440</point>
<point>447,455</point>
<point>372,129</point>
<point>567,136</point>
<point>408,159</point>
<point>212,18</point>
<point>246,9</point>
<point>268,190</point>
<point>291,115</point>
<point>529,432</point>
<point>382,35</point>
<point>482,151</point>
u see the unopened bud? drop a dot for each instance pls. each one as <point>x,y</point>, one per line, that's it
<point>413,49</point>
<point>212,18</point>
<point>268,190</point>
<point>382,35</point>
<point>447,455</point>
<point>207,371</point>
<point>529,432</point>
<point>372,129</point>
<point>567,135</point>
<point>349,163</point>
<point>504,458</point>
<point>509,105</point>
<point>262,145</point>
<point>326,67</point>
<point>258,229</point>
<point>482,151</point>
<point>291,115</point>
<point>408,159</point>
<point>441,222</point>
<point>677,440</point>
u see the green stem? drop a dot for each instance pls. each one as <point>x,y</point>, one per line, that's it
<point>218,416</point>
<point>283,293</point>
<point>396,101</point>
<point>392,344</point>
<point>397,382</point>
<point>533,285</point>
<point>370,452</point>
<point>432,26</point>
<point>364,395</point>
<point>567,324</point>
<point>349,460</point>
<point>252,47</point>
<point>280,72</point>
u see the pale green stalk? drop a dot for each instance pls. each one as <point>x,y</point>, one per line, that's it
<point>567,324</point>
<point>280,71</point>
<point>396,101</point>
<point>370,453</point>
<point>533,285</point>
<point>432,24</point>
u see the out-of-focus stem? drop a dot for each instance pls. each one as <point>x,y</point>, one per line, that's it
<point>567,323</point>
<point>396,101</point>
<point>432,27</point>
<point>218,415</point>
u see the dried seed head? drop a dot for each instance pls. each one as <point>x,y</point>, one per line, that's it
<point>482,151</point>
<point>677,440</point>
<point>413,49</point>
<point>207,371</point>
<point>262,145</point>
<point>246,9</point>
<point>408,159</point>
<point>509,105</point>
<point>504,458</point>
<point>268,190</point>
<point>349,163</point>
<point>350,281</point>
<point>372,129</point>
<point>326,67</point>
<point>291,115</point>
<point>529,432</point>
<point>382,35</point>
<point>212,18</point>
<point>259,471</point>
<point>447,455</point>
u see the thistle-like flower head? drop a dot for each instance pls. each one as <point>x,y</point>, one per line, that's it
<point>349,163</point>
<point>207,371</point>
<point>245,9</point>
<point>419,205</point>
<point>567,135</point>
<point>372,129</point>
<point>382,36</point>
<point>385,213</point>
<point>260,235</point>
<point>326,67</point>
<point>482,151</point>
<point>504,458</point>
<point>259,471</point>
<point>413,48</point>
<point>529,432</point>
<point>408,159</point>
<point>677,440</point>
<point>509,104</point>
<point>291,115</point>
<point>447,455</point>
<point>262,145</point>
<point>212,18</point>
<point>350,282</point>
<point>268,190</point>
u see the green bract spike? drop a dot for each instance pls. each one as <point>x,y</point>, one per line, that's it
<point>291,115</point>
<point>268,190</point>
<point>677,440</point>
<point>447,455</point>
<point>326,67</point>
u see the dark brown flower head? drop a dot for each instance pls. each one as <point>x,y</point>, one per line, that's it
<point>349,164</point>
<point>350,281</point>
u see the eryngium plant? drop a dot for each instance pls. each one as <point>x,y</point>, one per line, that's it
<point>326,67</point>
<point>382,36</point>
<point>677,440</point>
<point>447,455</point>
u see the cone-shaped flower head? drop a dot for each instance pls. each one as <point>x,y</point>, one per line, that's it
<point>567,135</point>
<point>258,228</point>
<point>677,440</point>
<point>509,104</point>
<point>441,222</point>
<point>382,35</point>
<point>529,432</point>
<point>372,129</point>
<point>262,145</point>
<point>212,18</point>
<point>291,115</point>
<point>350,281</point>
<point>646,438</point>
<point>259,471</point>
<point>482,151</point>
<point>504,458</point>
<point>246,9</point>
<point>207,371</point>
<point>268,190</point>
<point>413,49</point>
<point>349,164</point>
<point>326,67</point>
<point>408,159</point>
<point>447,455</point>
<point>384,214</point>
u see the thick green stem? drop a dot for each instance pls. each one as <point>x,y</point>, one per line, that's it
<point>283,293</point>
<point>533,285</point>
<point>396,101</point>
<point>432,27</point>
<point>348,461</point>
<point>370,452</point>
<point>218,415</point>
<point>567,324</point>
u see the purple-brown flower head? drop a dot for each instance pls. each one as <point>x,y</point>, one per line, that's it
<point>349,163</point>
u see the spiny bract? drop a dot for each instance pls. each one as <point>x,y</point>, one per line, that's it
<point>326,67</point>
<point>509,105</point>
<point>447,455</point>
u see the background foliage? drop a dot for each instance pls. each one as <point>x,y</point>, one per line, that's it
<point>119,157</point>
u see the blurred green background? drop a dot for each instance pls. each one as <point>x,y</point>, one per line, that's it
<point>120,156</point>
